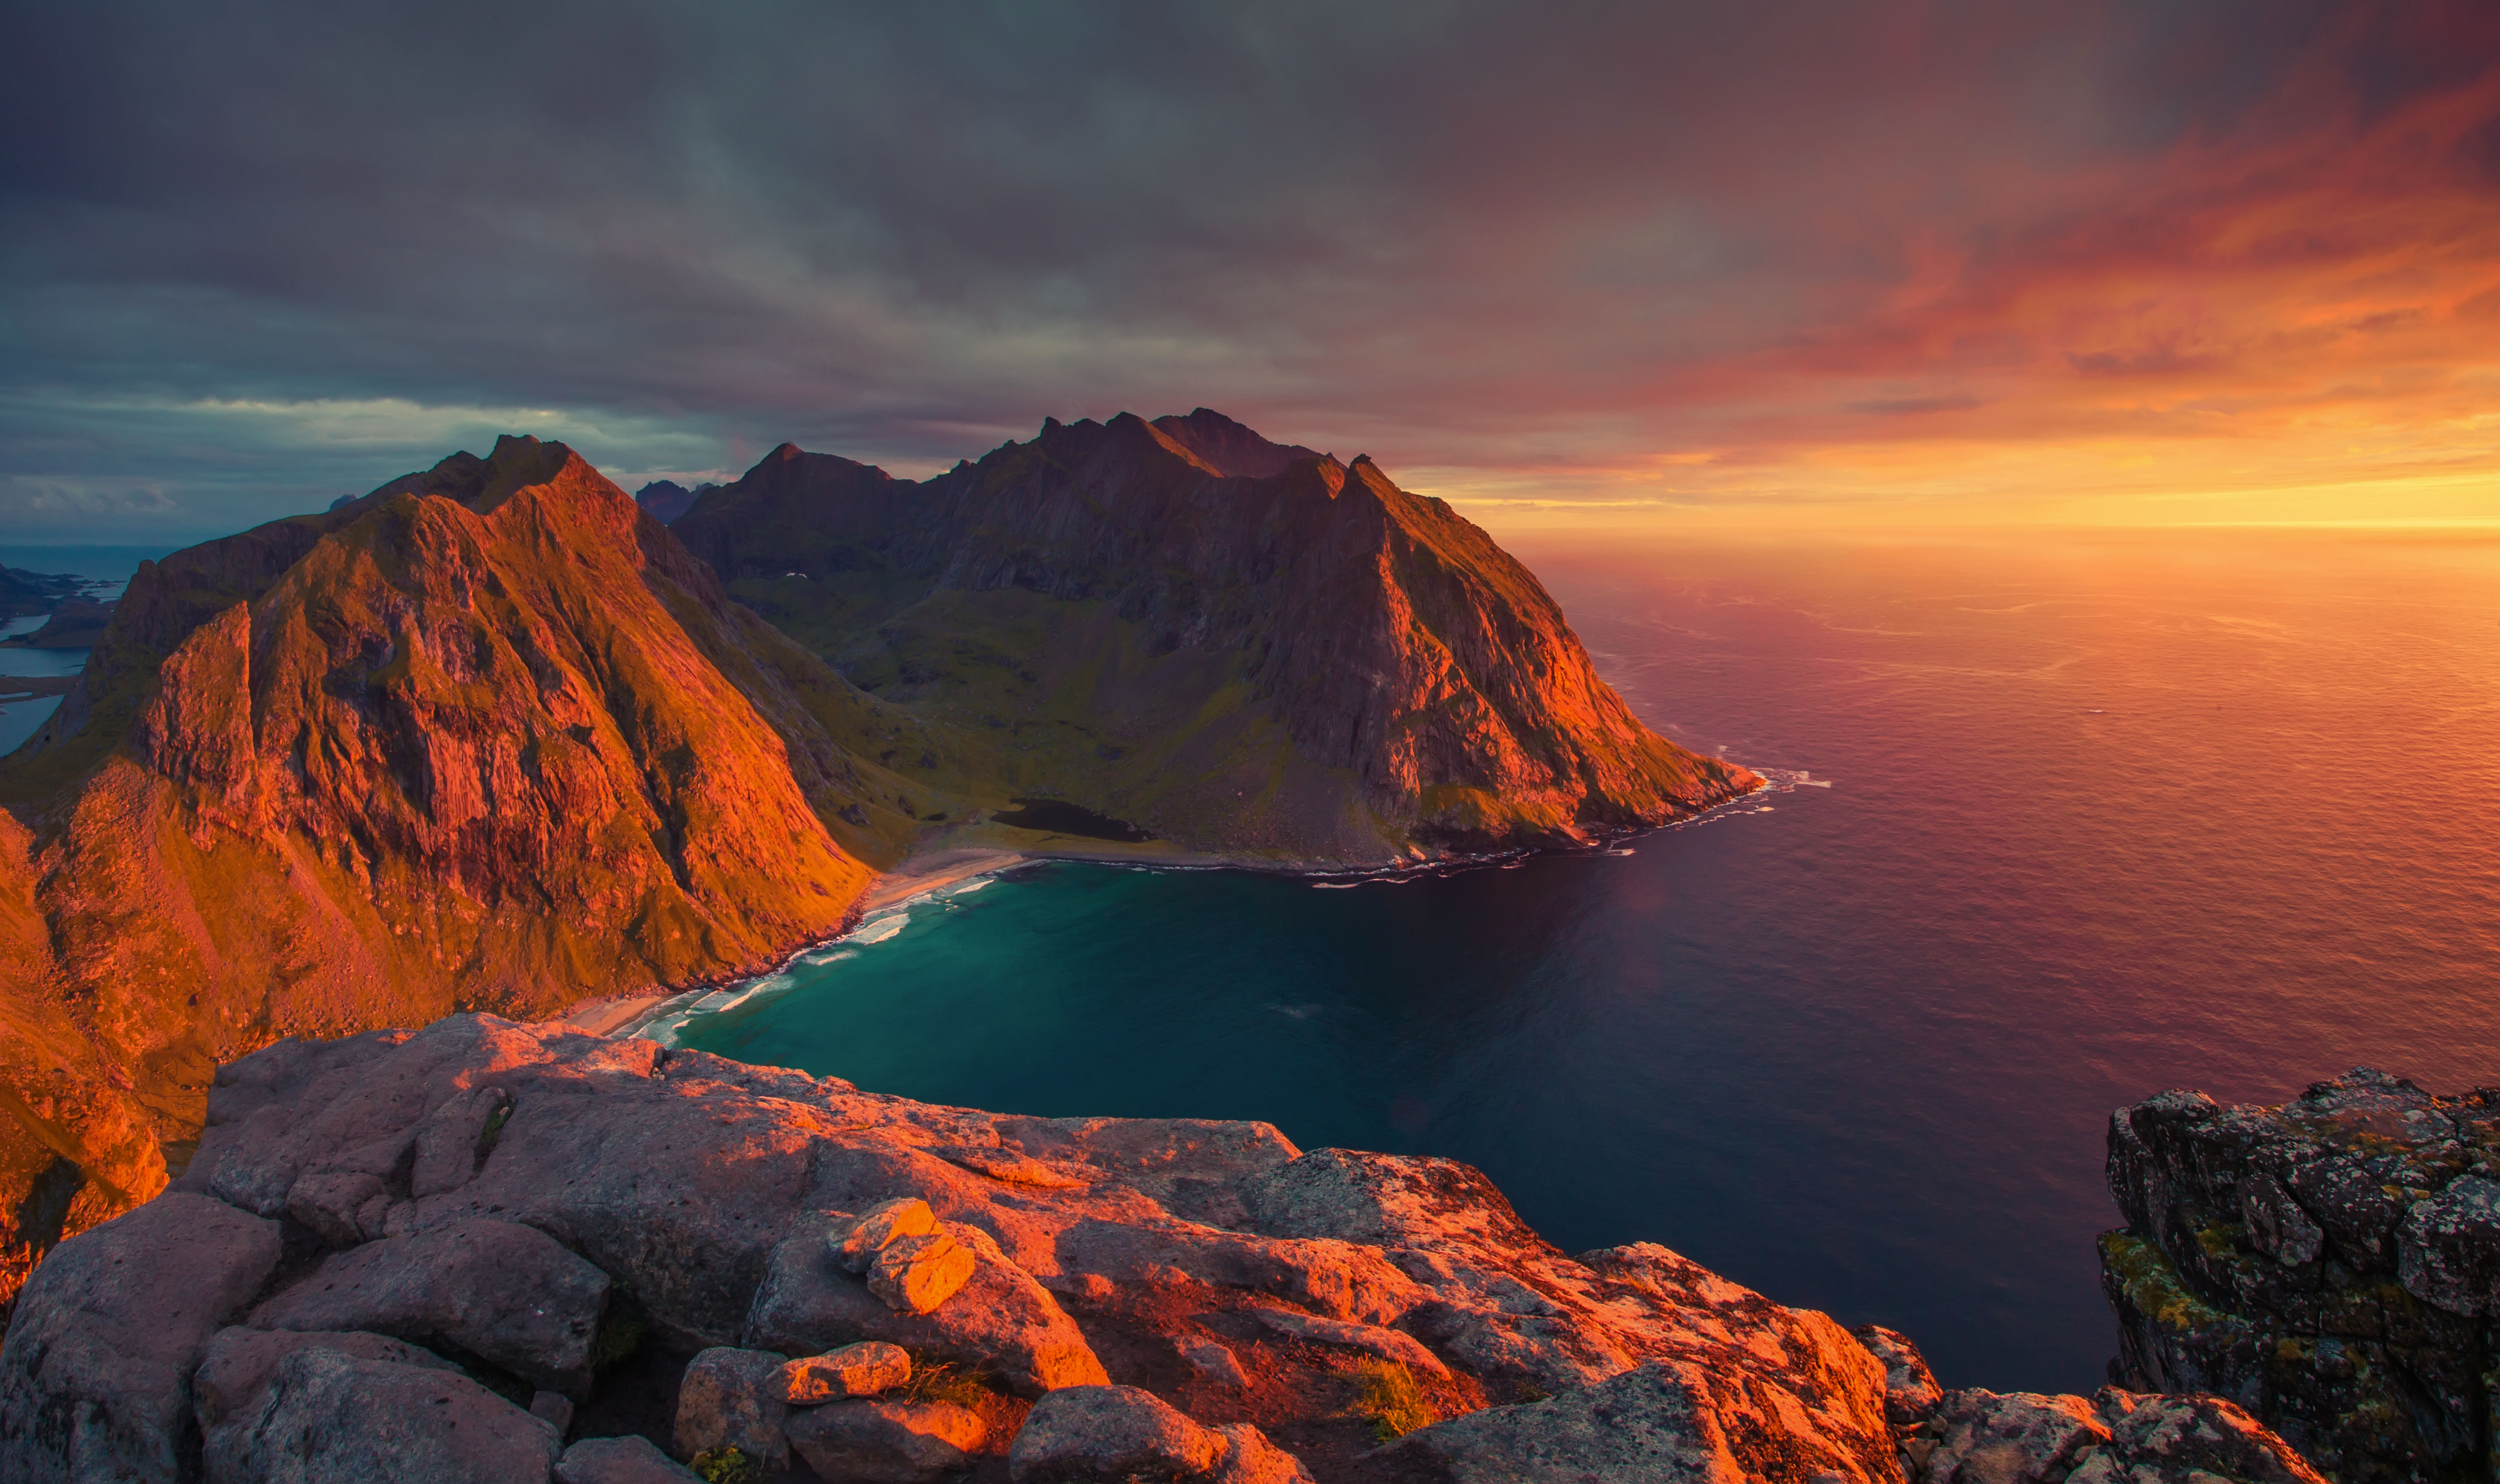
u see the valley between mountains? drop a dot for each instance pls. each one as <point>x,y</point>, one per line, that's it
<point>494,738</point>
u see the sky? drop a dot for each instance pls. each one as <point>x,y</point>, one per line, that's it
<point>1779,265</point>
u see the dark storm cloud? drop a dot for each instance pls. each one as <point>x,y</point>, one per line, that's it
<point>258,255</point>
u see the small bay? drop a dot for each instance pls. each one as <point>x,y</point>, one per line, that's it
<point>2057,825</point>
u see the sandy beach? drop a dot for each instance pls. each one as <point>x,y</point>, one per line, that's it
<point>921,873</point>
<point>938,867</point>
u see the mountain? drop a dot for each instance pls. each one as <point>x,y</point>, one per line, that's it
<point>666,499</point>
<point>493,738</point>
<point>1243,646</point>
<point>485,738</point>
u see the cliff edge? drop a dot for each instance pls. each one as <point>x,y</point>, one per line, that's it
<point>2333,1264</point>
<point>494,1251</point>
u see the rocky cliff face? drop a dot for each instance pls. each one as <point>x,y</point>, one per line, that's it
<point>2331,1263</point>
<point>486,737</point>
<point>1238,645</point>
<point>489,1251</point>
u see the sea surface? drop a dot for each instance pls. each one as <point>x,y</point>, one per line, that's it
<point>110,568</point>
<point>2059,822</point>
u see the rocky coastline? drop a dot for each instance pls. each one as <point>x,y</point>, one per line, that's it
<point>489,1250</point>
<point>2331,1263</point>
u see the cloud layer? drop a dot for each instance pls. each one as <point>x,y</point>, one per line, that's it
<point>2238,260</point>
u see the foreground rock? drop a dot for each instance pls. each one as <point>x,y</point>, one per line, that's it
<point>690,1247</point>
<point>2116,1437</point>
<point>2332,1264</point>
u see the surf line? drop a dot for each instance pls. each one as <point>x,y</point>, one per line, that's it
<point>662,1020</point>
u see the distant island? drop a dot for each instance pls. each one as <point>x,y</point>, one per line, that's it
<point>493,737</point>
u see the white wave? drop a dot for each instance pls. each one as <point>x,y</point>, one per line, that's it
<point>971,886</point>
<point>881,930</point>
<point>1622,850</point>
<point>1335,885</point>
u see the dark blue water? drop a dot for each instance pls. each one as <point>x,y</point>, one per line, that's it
<point>2105,816</point>
<point>111,568</point>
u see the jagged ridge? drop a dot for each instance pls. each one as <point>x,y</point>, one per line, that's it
<point>1237,644</point>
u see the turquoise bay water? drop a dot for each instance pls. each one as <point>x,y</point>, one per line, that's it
<point>2102,818</point>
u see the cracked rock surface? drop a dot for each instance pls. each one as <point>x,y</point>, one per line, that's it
<point>673,1245</point>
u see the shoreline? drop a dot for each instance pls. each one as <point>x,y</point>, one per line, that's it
<point>919,873</point>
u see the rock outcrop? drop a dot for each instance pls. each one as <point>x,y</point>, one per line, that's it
<point>2331,1263</point>
<point>656,1249</point>
<point>1238,646</point>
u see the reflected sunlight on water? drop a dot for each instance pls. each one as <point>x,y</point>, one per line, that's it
<point>2103,815</point>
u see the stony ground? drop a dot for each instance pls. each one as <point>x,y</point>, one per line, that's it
<point>486,1250</point>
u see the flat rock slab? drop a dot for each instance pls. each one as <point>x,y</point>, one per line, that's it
<point>503,1292</point>
<point>228,1390</point>
<point>331,1418</point>
<point>887,1442</point>
<point>95,1373</point>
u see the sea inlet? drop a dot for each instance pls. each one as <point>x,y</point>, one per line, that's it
<point>2057,824</point>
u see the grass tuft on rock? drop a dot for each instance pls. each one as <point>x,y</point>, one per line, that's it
<point>726,1465</point>
<point>1390,1400</point>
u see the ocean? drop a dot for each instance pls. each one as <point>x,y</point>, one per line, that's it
<point>111,569</point>
<point>2059,822</point>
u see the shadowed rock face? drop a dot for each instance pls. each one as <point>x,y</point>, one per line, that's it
<point>2333,1264</point>
<point>1329,666</point>
<point>1163,1299</point>
<point>485,737</point>
<point>665,499</point>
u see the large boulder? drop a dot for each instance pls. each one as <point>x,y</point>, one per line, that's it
<point>863,1370</point>
<point>528,1202</point>
<point>1656,1424</point>
<point>618,1460</point>
<point>732,1399</point>
<point>503,1292</point>
<point>870,1442</point>
<point>332,1418</point>
<point>1000,1321</point>
<point>2112,1438</point>
<point>1090,1432</point>
<point>95,1375</point>
<point>2188,1440</point>
<point>230,1391</point>
<point>2017,1437</point>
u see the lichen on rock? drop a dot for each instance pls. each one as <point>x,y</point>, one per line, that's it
<point>2330,1263</point>
<point>1196,1300</point>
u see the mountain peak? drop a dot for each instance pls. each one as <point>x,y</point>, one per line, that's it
<point>1229,447</point>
